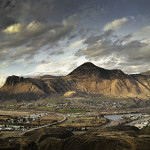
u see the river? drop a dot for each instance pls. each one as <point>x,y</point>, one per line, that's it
<point>119,116</point>
<point>117,119</point>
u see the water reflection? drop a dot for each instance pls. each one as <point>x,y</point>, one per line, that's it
<point>117,117</point>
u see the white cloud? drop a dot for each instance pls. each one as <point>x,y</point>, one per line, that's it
<point>76,44</point>
<point>15,28</point>
<point>35,26</point>
<point>4,64</point>
<point>2,80</point>
<point>52,68</point>
<point>32,27</point>
<point>144,32</point>
<point>60,67</point>
<point>115,24</point>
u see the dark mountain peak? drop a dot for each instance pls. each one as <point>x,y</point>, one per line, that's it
<point>87,64</point>
<point>88,70</point>
<point>13,80</point>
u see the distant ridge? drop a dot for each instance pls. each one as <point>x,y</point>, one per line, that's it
<point>47,76</point>
<point>147,73</point>
<point>87,78</point>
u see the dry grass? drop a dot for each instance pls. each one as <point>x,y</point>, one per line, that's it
<point>70,93</point>
<point>14,113</point>
<point>48,119</point>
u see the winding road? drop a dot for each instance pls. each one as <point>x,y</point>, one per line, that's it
<point>48,125</point>
<point>20,133</point>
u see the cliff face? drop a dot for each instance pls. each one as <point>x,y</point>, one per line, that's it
<point>13,80</point>
<point>86,78</point>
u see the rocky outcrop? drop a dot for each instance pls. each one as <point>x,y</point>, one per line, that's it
<point>13,80</point>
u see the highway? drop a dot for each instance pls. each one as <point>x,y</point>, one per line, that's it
<point>48,125</point>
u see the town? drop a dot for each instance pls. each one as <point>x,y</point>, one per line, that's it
<point>11,123</point>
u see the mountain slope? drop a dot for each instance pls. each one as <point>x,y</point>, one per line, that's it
<point>85,78</point>
<point>20,88</point>
<point>93,79</point>
<point>89,70</point>
<point>147,73</point>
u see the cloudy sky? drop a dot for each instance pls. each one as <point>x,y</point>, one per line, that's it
<point>55,36</point>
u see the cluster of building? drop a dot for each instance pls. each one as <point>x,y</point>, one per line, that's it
<point>141,120</point>
<point>20,123</point>
<point>103,104</point>
<point>12,128</point>
<point>143,124</point>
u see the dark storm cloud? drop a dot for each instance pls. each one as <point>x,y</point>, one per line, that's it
<point>13,11</point>
<point>105,46</point>
<point>93,39</point>
<point>5,11</point>
<point>28,25</point>
<point>38,39</point>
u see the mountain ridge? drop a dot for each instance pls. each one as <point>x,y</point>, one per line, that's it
<point>147,73</point>
<point>87,78</point>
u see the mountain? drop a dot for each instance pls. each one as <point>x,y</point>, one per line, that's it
<point>20,88</point>
<point>147,73</point>
<point>89,70</point>
<point>86,78</point>
<point>93,79</point>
